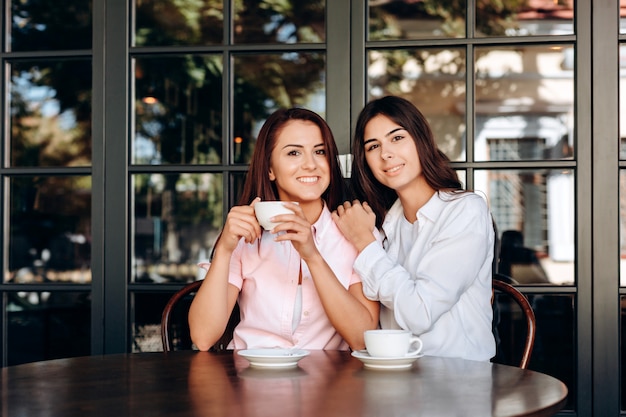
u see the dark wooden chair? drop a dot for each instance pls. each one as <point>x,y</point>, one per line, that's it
<point>502,284</point>
<point>175,327</point>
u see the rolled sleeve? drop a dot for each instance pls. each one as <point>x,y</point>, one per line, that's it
<point>450,253</point>
<point>381,276</point>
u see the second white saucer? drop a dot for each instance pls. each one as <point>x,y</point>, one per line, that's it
<point>373,362</point>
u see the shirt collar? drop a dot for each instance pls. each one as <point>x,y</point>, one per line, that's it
<point>429,211</point>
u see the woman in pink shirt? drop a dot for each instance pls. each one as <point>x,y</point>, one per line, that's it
<point>295,284</point>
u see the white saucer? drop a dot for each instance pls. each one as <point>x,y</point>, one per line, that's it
<point>273,358</point>
<point>373,362</point>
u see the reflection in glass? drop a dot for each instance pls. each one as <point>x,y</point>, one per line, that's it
<point>433,80</point>
<point>462,177</point>
<point>622,302</point>
<point>553,352</point>
<point>47,325</point>
<point>429,19</point>
<point>50,104</point>
<point>50,25</point>
<point>50,230</point>
<point>288,21</point>
<point>622,227</point>
<point>264,83</point>
<point>237,181</point>
<point>521,18</point>
<point>410,19</point>
<point>145,319</point>
<point>622,97</point>
<point>177,218</point>
<point>170,23</point>
<point>534,214</point>
<point>524,103</point>
<point>178,110</point>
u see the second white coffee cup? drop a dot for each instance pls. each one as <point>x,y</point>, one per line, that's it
<point>390,343</point>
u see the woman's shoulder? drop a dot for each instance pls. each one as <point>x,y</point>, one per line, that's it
<point>464,198</point>
<point>326,228</point>
<point>469,203</point>
<point>328,235</point>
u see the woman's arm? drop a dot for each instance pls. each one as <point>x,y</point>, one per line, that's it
<point>454,253</point>
<point>347,309</point>
<point>213,304</point>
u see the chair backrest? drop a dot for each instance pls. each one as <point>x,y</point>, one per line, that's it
<point>502,284</point>
<point>175,327</point>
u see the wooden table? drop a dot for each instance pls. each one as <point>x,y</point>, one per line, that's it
<point>325,383</point>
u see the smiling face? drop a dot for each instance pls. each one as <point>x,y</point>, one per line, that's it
<point>391,154</point>
<point>298,163</point>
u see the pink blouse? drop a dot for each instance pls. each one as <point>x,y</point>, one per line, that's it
<point>266,273</point>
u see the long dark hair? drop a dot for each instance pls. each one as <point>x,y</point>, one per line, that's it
<point>435,164</point>
<point>258,184</point>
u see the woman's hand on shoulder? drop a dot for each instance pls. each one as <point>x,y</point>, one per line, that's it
<point>240,223</point>
<point>356,221</point>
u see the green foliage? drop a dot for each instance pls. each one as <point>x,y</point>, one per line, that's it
<point>493,17</point>
<point>39,139</point>
<point>50,25</point>
<point>178,97</point>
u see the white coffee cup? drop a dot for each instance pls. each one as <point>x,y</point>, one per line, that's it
<point>390,343</point>
<point>265,210</point>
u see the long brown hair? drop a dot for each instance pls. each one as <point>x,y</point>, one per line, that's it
<point>258,184</point>
<point>435,164</point>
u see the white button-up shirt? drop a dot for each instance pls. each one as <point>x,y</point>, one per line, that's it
<point>434,276</point>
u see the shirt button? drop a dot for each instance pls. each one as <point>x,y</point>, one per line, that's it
<point>306,313</point>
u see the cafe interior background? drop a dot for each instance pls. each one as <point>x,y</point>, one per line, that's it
<point>128,127</point>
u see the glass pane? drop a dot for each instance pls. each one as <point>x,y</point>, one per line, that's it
<point>534,214</point>
<point>47,325</point>
<point>264,83</point>
<point>50,104</point>
<point>622,96</point>
<point>50,25</point>
<point>521,18</point>
<point>553,352</point>
<point>433,80</point>
<point>50,230</point>
<point>524,103</point>
<point>146,310</point>
<point>416,19</point>
<point>170,22</point>
<point>287,21</point>
<point>177,218</point>
<point>623,348</point>
<point>622,227</point>
<point>237,181</point>
<point>178,110</point>
<point>462,177</point>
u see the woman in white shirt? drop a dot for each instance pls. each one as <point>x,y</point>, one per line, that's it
<point>432,273</point>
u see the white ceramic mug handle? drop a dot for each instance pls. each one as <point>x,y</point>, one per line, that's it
<point>415,341</point>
